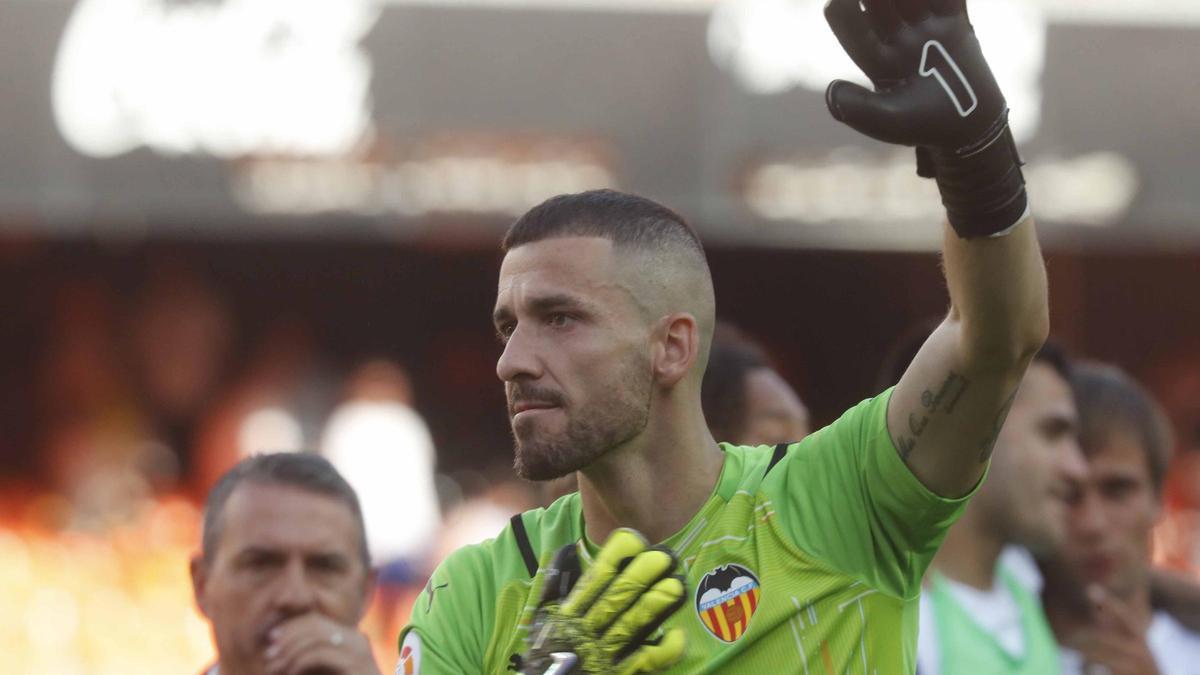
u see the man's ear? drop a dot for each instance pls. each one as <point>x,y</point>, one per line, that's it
<point>676,347</point>
<point>199,580</point>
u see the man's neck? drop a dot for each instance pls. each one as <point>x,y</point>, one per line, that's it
<point>970,552</point>
<point>654,484</point>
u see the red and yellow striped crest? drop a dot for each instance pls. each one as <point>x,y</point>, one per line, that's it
<point>726,599</point>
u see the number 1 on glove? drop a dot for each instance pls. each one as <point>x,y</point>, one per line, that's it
<point>933,89</point>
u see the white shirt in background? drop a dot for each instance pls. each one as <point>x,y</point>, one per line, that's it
<point>995,610</point>
<point>1176,649</point>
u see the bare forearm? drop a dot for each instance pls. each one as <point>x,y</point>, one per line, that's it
<point>947,411</point>
<point>998,296</point>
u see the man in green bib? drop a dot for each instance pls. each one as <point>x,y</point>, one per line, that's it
<point>806,557</point>
<point>980,612</point>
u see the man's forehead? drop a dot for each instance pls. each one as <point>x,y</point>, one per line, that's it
<point>278,516</point>
<point>1121,456</point>
<point>555,266</point>
<point>564,255</point>
<point>1044,387</point>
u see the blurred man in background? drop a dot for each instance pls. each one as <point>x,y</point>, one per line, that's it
<point>284,574</point>
<point>980,612</point>
<point>1098,587</point>
<point>746,401</point>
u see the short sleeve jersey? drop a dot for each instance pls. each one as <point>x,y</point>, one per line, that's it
<point>807,556</point>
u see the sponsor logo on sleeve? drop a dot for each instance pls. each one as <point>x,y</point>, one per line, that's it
<point>410,655</point>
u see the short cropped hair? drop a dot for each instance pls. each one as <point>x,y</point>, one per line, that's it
<point>302,470</point>
<point>629,221</point>
<point>723,391</point>
<point>1110,402</point>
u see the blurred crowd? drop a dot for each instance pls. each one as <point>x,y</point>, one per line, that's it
<point>139,402</point>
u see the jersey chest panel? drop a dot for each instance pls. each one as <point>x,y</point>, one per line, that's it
<point>805,618</point>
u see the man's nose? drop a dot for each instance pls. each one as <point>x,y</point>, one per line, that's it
<point>294,594</point>
<point>1089,516</point>
<point>519,358</point>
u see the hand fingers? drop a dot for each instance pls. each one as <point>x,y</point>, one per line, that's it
<point>352,657</point>
<point>868,112</point>
<point>1121,655</point>
<point>853,30</point>
<point>653,658</point>
<point>647,568</point>
<point>290,638</point>
<point>314,656</point>
<point>650,611</point>
<point>325,659</point>
<point>622,544</point>
<point>1111,612</point>
<point>296,637</point>
<point>945,7</point>
<point>883,17</point>
<point>554,581</point>
<point>912,11</point>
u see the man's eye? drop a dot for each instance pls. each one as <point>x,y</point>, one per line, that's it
<point>327,565</point>
<point>1119,490</point>
<point>559,320</point>
<point>505,330</point>
<point>261,563</point>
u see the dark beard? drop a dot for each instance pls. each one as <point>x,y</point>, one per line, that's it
<point>590,434</point>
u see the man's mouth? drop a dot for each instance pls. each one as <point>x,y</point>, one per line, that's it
<point>519,407</point>
<point>263,639</point>
<point>1098,566</point>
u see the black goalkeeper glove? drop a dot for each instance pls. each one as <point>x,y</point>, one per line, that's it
<point>604,621</point>
<point>933,90</point>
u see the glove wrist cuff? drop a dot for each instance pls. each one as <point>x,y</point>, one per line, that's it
<point>981,184</point>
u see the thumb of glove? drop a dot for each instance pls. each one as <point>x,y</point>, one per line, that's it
<point>865,111</point>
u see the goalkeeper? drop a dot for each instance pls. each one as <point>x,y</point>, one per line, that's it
<point>808,555</point>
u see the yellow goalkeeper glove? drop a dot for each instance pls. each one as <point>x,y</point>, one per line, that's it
<point>606,621</point>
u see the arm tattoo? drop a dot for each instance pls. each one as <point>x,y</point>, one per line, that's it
<point>944,400</point>
<point>916,427</point>
<point>988,444</point>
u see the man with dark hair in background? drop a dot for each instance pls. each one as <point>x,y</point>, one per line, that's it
<point>745,400</point>
<point>284,574</point>
<point>1098,584</point>
<point>811,553</point>
<point>980,612</point>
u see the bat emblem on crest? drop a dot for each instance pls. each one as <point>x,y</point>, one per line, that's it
<point>726,599</point>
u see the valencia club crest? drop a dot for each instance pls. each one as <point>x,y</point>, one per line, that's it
<point>726,599</point>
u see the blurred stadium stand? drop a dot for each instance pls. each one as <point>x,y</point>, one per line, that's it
<point>200,248</point>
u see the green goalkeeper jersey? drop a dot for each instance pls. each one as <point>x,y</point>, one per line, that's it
<point>806,557</point>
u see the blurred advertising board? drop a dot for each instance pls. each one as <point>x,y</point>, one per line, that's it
<point>402,119</point>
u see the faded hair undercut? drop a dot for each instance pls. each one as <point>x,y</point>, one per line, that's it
<point>629,221</point>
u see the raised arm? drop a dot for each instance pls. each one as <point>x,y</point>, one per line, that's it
<point>933,90</point>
